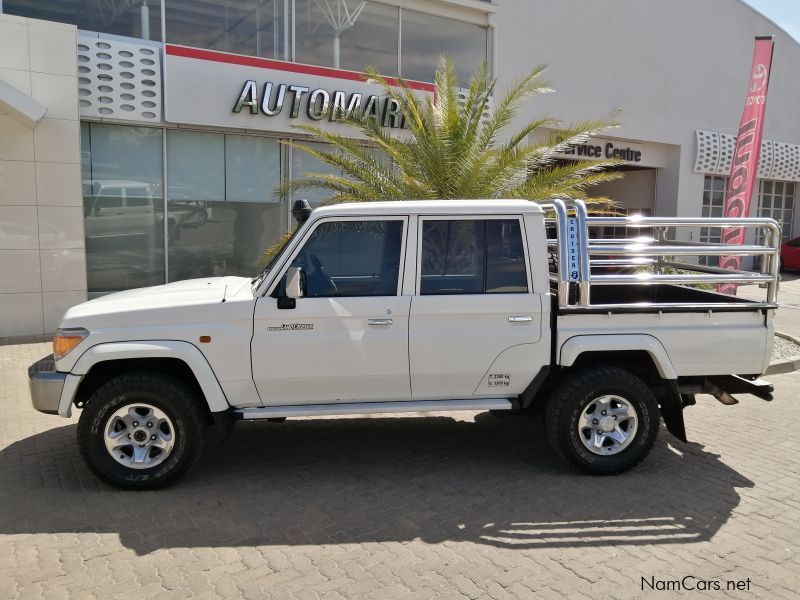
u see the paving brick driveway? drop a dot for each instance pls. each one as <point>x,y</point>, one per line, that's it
<point>473,506</point>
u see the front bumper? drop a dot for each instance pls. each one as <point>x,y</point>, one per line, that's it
<point>46,385</point>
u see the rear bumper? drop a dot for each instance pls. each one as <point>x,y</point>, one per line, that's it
<point>46,385</point>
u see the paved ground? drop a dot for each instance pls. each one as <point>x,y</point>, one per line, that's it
<point>474,506</point>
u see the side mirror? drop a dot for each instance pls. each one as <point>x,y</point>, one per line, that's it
<point>294,282</point>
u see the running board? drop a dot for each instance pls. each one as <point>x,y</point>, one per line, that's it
<point>370,408</point>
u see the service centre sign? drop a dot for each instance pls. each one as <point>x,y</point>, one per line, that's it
<point>217,89</point>
<point>603,150</point>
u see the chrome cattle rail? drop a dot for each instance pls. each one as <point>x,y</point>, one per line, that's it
<point>654,257</point>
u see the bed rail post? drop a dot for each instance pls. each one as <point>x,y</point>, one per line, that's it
<point>583,245</point>
<point>563,252</point>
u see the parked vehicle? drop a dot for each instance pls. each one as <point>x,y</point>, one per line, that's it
<point>120,208</point>
<point>415,307</point>
<point>133,209</point>
<point>790,255</point>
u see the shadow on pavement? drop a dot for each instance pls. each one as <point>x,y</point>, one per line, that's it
<point>493,481</point>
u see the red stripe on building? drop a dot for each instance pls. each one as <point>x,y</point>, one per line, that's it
<point>279,65</point>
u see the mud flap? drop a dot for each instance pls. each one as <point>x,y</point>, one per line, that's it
<point>672,410</point>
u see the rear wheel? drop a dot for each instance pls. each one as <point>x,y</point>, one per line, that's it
<point>602,420</point>
<point>141,431</point>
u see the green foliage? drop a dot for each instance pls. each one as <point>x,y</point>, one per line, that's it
<point>456,150</point>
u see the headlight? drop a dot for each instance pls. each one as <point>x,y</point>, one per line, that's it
<point>66,340</point>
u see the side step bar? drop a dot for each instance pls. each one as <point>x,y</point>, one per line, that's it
<point>370,408</point>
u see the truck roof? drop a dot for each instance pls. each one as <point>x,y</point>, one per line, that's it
<point>430,207</point>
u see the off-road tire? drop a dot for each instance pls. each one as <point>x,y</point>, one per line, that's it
<point>570,398</point>
<point>167,393</point>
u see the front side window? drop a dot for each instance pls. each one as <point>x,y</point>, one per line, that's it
<point>352,258</point>
<point>472,256</point>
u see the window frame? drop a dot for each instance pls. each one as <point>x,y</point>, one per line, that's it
<point>300,244</point>
<point>473,217</point>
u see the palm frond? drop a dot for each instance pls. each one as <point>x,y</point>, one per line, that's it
<point>456,145</point>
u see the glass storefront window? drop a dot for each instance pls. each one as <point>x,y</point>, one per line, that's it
<point>123,206</point>
<point>776,201</point>
<point>305,165</point>
<point>426,37</point>
<point>140,19</point>
<point>252,27</point>
<point>337,34</point>
<point>221,210</point>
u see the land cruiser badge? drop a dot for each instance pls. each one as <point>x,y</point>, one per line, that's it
<point>292,327</point>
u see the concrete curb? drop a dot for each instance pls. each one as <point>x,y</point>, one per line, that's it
<point>786,365</point>
<point>25,339</point>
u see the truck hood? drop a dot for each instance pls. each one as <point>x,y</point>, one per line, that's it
<point>179,294</point>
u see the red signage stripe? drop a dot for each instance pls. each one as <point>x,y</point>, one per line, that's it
<point>279,65</point>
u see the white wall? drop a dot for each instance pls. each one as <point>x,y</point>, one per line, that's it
<point>42,259</point>
<point>672,67</point>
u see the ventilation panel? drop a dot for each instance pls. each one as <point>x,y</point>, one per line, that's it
<point>119,80</point>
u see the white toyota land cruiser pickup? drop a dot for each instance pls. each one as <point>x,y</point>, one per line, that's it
<point>385,307</point>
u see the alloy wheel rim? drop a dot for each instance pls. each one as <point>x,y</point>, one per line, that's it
<point>607,425</point>
<point>139,436</point>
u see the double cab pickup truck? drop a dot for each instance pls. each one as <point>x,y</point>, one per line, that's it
<point>424,306</point>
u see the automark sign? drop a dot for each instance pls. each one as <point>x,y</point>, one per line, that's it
<point>302,101</point>
<point>217,89</point>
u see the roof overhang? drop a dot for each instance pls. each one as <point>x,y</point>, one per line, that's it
<point>19,106</point>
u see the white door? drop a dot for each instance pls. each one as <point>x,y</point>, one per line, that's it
<point>476,325</point>
<point>346,340</point>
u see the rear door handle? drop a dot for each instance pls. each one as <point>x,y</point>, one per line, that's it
<point>379,322</point>
<point>520,319</point>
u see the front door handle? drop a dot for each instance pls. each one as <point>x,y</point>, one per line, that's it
<point>520,319</point>
<point>379,322</point>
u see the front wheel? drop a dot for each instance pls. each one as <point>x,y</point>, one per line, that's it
<point>141,431</point>
<point>602,420</point>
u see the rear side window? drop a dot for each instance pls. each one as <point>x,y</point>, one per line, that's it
<point>472,256</point>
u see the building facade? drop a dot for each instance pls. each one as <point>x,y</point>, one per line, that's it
<point>142,141</point>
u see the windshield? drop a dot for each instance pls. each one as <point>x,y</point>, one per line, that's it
<point>278,251</point>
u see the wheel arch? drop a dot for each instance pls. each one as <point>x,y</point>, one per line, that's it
<point>639,349</point>
<point>178,359</point>
<point>645,354</point>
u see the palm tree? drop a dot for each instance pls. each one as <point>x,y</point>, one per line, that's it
<point>455,149</point>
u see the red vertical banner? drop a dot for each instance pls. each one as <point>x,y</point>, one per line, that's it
<point>744,167</point>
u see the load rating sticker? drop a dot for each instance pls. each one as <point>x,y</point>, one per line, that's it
<point>499,379</point>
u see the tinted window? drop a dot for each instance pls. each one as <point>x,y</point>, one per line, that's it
<point>505,258</point>
<point>453,257</point>
<point>472,257</point>
<point>352,258</point>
